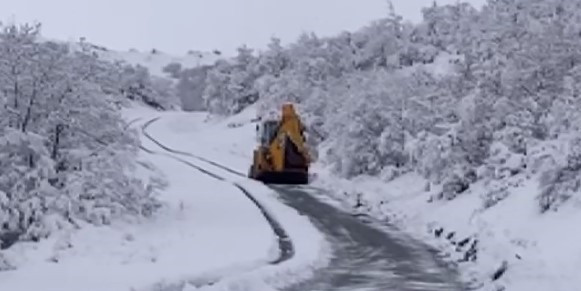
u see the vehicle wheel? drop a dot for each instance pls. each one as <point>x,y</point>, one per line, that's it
<point>251,173</point>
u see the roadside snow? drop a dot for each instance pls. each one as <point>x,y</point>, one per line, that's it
<point>507,247</point>
<point>228,142</point>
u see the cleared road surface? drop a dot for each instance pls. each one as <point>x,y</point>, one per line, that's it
<point>365,257</point>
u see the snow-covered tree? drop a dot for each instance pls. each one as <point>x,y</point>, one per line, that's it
<point>230,85</point>
<point>65,152</point>
<point>190,86</point>
<point>138,84</point>
<point>464,96</point>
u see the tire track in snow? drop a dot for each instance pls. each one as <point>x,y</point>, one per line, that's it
<point>285,245</point>
<point>173,151</point>
<point>362,265</point>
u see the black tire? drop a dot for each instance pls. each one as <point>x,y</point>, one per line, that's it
<point>303,180</point>
<point>251,172</point>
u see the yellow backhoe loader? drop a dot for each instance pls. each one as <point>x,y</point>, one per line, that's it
<point>281,156</point>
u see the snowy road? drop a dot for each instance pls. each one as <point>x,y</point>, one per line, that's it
<point>364,256</point>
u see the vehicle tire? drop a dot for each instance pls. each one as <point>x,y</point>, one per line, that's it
<point>251,172</point>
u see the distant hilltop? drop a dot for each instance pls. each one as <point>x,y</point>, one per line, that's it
<point>155,60</point>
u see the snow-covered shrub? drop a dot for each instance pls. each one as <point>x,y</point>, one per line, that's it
<point>562,183</point>
<point>5,265</point>
<point>494,196</point>
<point>230,85</point>
<point>558,186</point>
<point>25,168</point>
<point>456,184</point>
<point>432,156</point>
<point>464,96</point>
<point>190,85</point>
<point>504,162</point>
<point>136,83</point>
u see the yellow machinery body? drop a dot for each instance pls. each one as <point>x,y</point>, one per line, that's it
<point>281,156</point>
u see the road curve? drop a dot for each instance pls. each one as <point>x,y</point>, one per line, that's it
<point>285,245</point>
<point>365,256</point>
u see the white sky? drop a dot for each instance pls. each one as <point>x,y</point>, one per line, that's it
<point>176,26</point>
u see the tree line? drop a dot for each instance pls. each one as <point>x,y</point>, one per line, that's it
<point>66,154</point>
<point>465,96</point>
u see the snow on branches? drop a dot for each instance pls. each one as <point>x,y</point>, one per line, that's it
<point>65,152</point>
<point>437,98</point>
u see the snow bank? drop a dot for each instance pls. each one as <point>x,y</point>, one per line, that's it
<point>508,246</point>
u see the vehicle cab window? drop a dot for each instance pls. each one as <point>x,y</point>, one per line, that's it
<point>267,132</point>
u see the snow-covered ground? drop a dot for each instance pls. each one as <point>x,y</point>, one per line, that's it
<point>207,232</point>
<point>230,143</point>
<point>538,252</point>
<point>157,61</point>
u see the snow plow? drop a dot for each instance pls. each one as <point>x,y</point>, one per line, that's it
<point>281,156</point>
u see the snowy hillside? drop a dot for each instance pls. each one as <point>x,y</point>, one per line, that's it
<point>461,131</point>
<point>156,61</point>
<point>464,127</point>
<point>507,247</point>
<point>148,78</point>
<point>183,81</point>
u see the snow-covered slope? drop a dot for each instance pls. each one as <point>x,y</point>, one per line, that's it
<point>508,246</point>
<point>156,61</point>
<point>153,60</point>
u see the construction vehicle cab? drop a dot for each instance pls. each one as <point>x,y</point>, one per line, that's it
<point>266,131</point>
<point>281,156</point>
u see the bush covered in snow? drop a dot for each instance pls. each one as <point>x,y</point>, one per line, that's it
<point>138,84</point>
<point>190,85</point>
<point>483,104</point>
<point>66,155</point>
<point>437,98</point>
